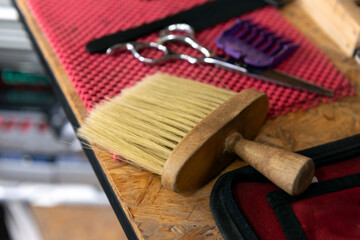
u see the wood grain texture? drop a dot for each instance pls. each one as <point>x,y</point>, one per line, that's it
<point>328,121</point>
<point>77,222</point>
<point>156,213</point>
<point>340,19</point>
<point>290,171</point>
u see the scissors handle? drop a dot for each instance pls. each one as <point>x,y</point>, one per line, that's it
<point>178,27</point>
<point>136,47</point>
<point>185,40</point>
<point>168,54</point>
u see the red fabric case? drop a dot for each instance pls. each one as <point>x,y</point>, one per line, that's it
<point>246,206</point>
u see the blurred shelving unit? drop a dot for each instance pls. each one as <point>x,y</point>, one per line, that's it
<point>42,165</point>
<point>16,51</point>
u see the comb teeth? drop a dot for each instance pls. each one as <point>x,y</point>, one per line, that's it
<point>255,45</point>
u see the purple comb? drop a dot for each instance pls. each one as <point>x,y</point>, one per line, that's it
<point>255,45</point>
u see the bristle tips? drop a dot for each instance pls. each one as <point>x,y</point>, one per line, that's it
<point>146,122</point>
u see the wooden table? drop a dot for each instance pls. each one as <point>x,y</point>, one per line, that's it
<point>77,222</point>
<point>143,207</point>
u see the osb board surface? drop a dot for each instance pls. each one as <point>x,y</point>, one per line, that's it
<point>157,213</point>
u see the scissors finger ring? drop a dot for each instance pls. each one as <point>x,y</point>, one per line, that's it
<point>136,47</point>
<point>179,27</point>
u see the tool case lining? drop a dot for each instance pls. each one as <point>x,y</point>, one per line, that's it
<point>247,206</point>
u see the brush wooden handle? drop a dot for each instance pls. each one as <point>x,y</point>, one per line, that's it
<point>290,171</point>
<point>210,147</point>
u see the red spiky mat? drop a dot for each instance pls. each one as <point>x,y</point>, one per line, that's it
<point>69,25</point>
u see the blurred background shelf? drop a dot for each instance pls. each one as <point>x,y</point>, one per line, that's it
<point>48,189</point>
<point>16,51</point>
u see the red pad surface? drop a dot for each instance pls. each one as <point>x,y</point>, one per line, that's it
<point>69,25</point>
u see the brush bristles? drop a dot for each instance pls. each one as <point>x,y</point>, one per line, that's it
<point>147,121</point>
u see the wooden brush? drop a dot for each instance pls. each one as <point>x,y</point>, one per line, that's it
<point>187,132</point>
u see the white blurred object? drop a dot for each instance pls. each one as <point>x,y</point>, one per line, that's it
<point>357,56</point>
<point>46,195</point>
<point>8,13</point>
<point>20,222</point>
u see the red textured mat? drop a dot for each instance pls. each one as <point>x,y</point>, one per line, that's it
<point>69,25</point>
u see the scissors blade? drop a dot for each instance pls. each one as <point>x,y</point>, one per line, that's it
<point>284,79</point>
<point>269,74</point>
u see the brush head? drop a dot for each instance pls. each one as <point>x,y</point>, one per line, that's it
<point>145,123</point>
<point>175,127</point>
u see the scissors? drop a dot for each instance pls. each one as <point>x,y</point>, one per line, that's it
<point>166,35</point>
